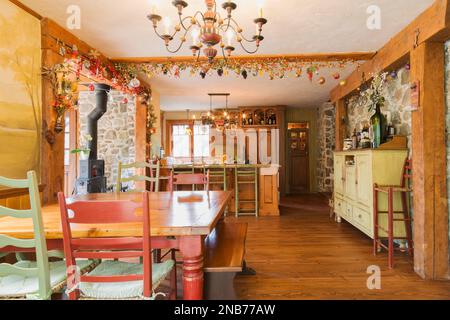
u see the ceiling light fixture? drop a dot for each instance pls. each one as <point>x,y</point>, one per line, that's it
<point>208,29</point>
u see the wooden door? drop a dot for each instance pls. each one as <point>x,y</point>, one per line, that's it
<point>299,160</point>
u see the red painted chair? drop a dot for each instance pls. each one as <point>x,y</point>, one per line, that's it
<point>393,216</point>
<point>185,179</point>
<point>112,279</point>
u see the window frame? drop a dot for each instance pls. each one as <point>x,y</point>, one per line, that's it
<point>169,135</point>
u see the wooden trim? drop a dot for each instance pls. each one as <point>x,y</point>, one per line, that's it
<point>340,124</point>
<point>432,24</point>
<point>27,9</point>
<point>15,192</point>
<point>307,57</point>
<point>429,163</point>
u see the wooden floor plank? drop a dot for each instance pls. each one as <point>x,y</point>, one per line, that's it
<point>304,255</point>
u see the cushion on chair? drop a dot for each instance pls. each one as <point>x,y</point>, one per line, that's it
<point>14,286</point>
<point>123,290</point>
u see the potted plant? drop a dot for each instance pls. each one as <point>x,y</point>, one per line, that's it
<point>83,150</point>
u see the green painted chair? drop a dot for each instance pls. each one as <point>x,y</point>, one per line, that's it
<point>218,177</point>
<point>246,175</point>
<point>36,280</point>
<point>153,171</point>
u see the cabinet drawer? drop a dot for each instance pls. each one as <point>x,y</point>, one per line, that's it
<point>362,217</point>
<point>338,206</point>
<point>347,211</point>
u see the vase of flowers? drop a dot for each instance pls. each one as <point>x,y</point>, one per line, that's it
<point>374,97</point>
<point>84,151</point>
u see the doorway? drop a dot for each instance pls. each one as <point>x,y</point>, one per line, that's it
<point>298,137</point>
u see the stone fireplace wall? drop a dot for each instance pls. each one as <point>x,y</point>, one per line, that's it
<point>116,130</point>
<point>396,109</point>
<point>325,145</point>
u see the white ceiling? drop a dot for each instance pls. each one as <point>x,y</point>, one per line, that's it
<point>121,29</point>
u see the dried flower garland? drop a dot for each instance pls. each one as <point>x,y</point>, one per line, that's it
<point>65,77</point>
<point>277,68</point>
<point>65,91</point>
<point>374,94</point>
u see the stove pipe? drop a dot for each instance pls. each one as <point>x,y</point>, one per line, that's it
<point>101,105</point>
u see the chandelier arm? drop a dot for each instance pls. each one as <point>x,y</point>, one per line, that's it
<point>199,13</point>
<point>198,56</point>
<point>181,43</point>
<point>158,34</point>
<point>182,21</point>
<point>241,34</point>
<point>248,51</point>
<point>224,56</point>
<point>228,25</point>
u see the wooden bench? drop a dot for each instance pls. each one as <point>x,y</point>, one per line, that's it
<point>224,257</point>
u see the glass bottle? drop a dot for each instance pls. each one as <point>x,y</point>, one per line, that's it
<point>378,124</point>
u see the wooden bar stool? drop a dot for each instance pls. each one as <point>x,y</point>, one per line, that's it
<point>393,216</point>
<point>246,175</point>
<point>218,177</point>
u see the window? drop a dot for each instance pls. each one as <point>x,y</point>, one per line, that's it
<point>201,141</point>
<point>189,140</point>
<point>181,141</point>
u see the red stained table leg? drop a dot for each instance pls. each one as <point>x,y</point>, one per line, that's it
<point>192,250</point>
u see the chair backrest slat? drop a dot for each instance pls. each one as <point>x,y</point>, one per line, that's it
<point>407,173</point>
<point>152,176</point>
<point>108,212</point>
<point>39,242</point>
<point>104,212</point>
<point>6,241</point>
<point>7,269</point>
<point>122,278</point>
<point>185,179</point>
<point>18,214</point>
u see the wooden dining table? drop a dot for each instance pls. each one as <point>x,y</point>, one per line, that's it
<point>178,220</point>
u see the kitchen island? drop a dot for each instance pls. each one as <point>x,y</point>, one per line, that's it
<point>223,177</point>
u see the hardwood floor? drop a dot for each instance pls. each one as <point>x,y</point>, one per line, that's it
<point>304,255</point>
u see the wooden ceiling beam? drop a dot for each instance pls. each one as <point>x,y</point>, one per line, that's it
<point>432,25</point>
<point>308,57</point>
<point>27,9</point>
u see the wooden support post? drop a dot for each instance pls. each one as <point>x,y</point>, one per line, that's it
<point>429,163</point>
<point>141,138</point>
<point>52,144</point>
<point>340,124</point>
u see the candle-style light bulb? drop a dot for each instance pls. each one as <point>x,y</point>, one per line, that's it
<point>260,8</point>
<point>195,34</point>
<point>230,35</point>
<point>154,5</point>
<point>167,23</point>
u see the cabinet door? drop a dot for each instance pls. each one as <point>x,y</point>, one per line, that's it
<point>339,174</point>
<point>364,179</point>
<point>350,182</point>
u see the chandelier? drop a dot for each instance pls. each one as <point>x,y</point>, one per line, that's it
<point>208,30</point>
<point>220,120</point>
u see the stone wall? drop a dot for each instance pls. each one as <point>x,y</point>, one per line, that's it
<point>116,130</point>
<point>326,123</point>
<point>396,109</point>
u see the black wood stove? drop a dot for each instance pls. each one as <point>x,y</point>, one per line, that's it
<point>92,172</point>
